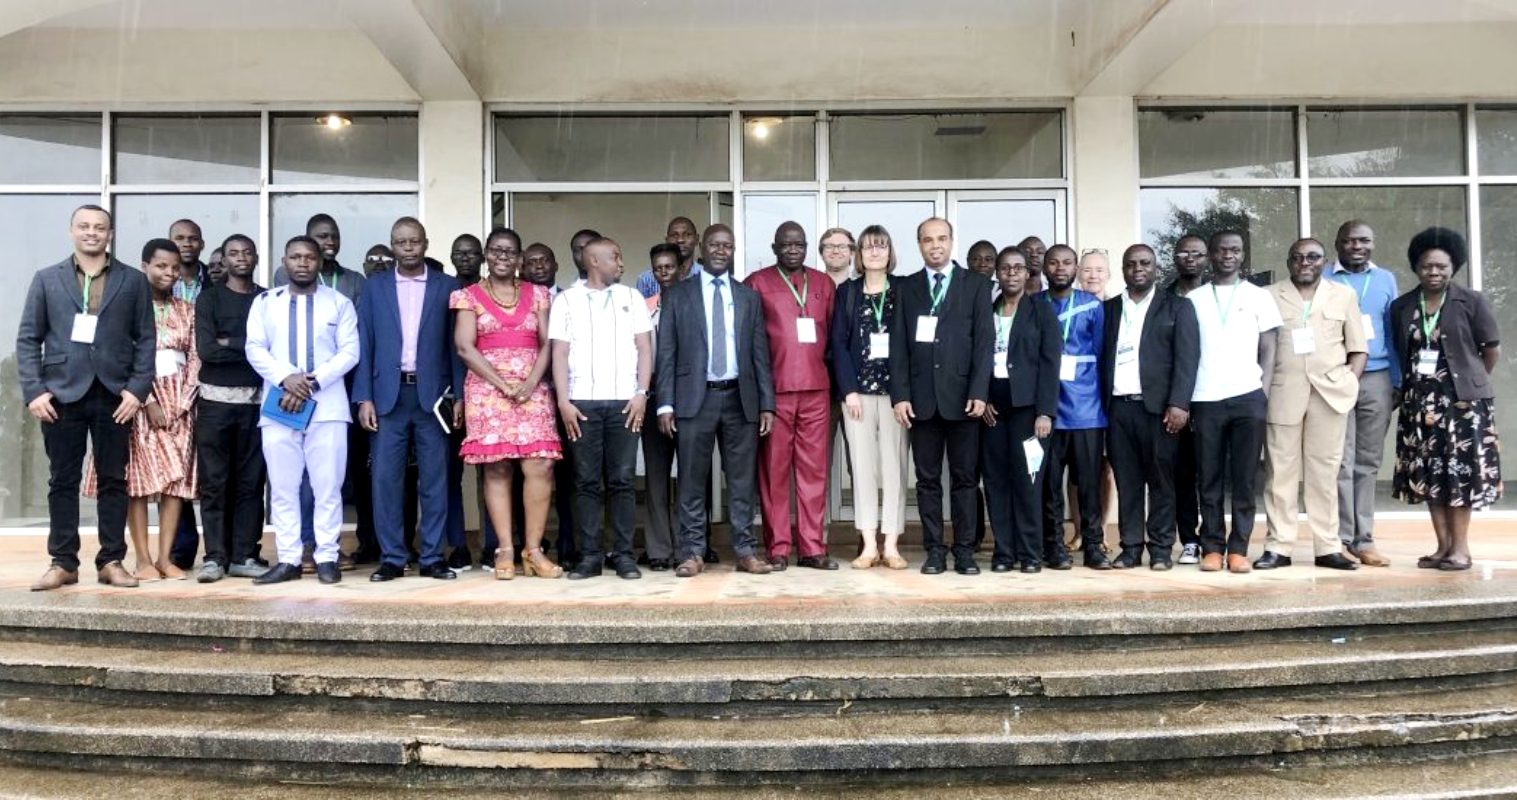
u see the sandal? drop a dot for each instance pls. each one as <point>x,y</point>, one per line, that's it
<point>504,569</point>
<point>1429,562</point>
<point>535,563</point>
<point>866,561</point>
<point>1450,565</point>
<point>895,562</point>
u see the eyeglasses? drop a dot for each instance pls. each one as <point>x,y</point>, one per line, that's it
<point>1094,251</point>
<point>876,246</point>
<point>838,248</point>
<point>377,259</point>
<point>1306,258</point>
<point>503,252</point>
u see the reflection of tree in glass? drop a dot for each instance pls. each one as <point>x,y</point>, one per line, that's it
<point>1226,209</point>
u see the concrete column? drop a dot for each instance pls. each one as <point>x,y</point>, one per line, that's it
<point>452,171</point>
<point>1105,175</point>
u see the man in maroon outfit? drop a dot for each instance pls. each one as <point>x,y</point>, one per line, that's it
<point>797,303</point>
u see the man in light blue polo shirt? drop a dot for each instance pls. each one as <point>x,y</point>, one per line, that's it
<point>1364,440</point>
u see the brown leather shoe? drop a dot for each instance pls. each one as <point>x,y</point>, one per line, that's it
<point>1370,557</point>
<point>345,562</point>
<point>114,574</point>
<point>689,568</point>
<point>308,562</point>
<point>1211,562</point>
<point>55,577</point>
<point>1237,563</point>
<point>753,564</point>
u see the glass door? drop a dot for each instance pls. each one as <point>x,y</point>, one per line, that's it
<point>899,212</point>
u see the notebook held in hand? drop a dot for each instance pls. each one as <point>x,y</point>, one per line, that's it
<point>297,420</point>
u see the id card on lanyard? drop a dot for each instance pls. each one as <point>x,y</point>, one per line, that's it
<point>1427,357</point>
<point>927,324</point>
<point>83,331</point>
<point>805,327</point>
<point>1068,365</point>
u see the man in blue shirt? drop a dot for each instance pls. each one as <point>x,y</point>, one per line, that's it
<point>1364,440</point>
<point>1079,428</point>
<point>681,234</point>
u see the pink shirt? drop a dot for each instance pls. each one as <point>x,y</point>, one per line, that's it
<point>410,294</point>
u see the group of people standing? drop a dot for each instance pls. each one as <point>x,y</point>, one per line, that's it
<point>189,381</point>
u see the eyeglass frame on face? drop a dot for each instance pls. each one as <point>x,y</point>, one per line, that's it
<point>1308,257</point>
<point>835,247</point>
<point>502,253</point>
<point>378,258</point>
<point>876,246</point>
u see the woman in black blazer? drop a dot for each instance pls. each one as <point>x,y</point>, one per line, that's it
<point>1445,343</point>
<point>860,339</point>
<point>1024,397</point>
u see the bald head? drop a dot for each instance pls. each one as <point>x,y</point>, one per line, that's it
<point>603,263</point>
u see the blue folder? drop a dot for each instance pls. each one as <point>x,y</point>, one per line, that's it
<point>298,420</point>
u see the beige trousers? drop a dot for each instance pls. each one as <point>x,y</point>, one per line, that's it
<point>877,446</point>
<point>1311,449</point>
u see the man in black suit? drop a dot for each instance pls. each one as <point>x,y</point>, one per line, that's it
<point>1148,372</point>
<point>712,381</point>
<point>85,357</point>
<point>941,344</point>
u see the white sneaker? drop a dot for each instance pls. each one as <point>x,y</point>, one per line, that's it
<point>1191,554</point>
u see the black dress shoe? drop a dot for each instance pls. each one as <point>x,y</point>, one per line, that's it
<point>460,559</point>
<point>1271,560</point>
<point>1000,566</point>
<point>1097,561</point>
<point>626,569</point>
<point>1032,568</point>
<point>279,573</point>
<point>387,572</point>
<point>777,563</point>
<point>1126,561</point>
<point>584,569</point>
<point>362,556</point>
<point>1161,565</point>
<point>660,564</point>
<point>966,566</point>
<point>1336,561</point>
<point>816,562</point>
<point>934,565</point>
<point>328,572</point>
<point>439,571</point>
<point>1059,561</point>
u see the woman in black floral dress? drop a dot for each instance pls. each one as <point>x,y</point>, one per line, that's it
<point>1446,344</point>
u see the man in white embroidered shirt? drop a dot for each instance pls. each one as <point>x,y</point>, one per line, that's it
<point>602,364</point>
<point>303,338</point>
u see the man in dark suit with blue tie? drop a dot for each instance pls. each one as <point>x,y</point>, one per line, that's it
<point>941,345</point>
<point>407,364</point>
<point>713,384</point>
<point>84,354</point>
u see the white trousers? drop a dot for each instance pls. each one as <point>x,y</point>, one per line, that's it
<point>877,445</point>
<point>322,450</point>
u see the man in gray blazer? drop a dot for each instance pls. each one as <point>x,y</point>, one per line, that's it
<point>84,354</point>
<point>713,384</point>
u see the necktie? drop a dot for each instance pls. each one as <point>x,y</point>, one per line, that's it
<point>937,291</point>
<point>718,330</point>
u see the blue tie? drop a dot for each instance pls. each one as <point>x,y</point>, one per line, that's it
<point>718,330</point>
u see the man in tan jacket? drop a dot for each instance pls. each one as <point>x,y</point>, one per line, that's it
<point>1320,353</point>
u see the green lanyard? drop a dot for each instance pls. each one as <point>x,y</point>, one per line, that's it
<point>1221,311</point>
<point>878,307</point>
<point>1125,301</point>
<point>1069,320</point>
<point>185,292</point>
<point>1306,310</point>
<point>1429,324</point>
<point>941,290</point>
<point>800,297</point>
<point>1363,288</point>
<point>84,303</point>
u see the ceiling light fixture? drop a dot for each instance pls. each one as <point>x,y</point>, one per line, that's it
<point>334,122</point>
<point>760,127</point>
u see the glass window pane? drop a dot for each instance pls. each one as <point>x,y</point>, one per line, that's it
<point>1384,143</point>
<point>1395,213</point>
<point>1497,132</point>
<point>900,218</point>
<point>49,149</point>
<point>1498,264</point>
<point>363,219</point>
<point>763,214</point>
<point>35,230</point>
<point>635,221</point>
<point>779,148</point>
<point>947,146</point>
<point>140,217</point>
<point>1268,219</point>
<point>375,147</point>
<point>1216,143</point>
<point>603,148</point>
<point>186,149</point>
<point>1003,223</point>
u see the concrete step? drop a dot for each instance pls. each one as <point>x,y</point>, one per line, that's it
<point>481,750</point>
<point>538,685</point>
<point>1470,777</point>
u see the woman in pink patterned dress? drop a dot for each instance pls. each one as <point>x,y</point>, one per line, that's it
<point>161,455</point>
<point>501,335</point>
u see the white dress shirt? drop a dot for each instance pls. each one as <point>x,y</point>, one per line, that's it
<point>1125,379</point>
<point>316,333</point>
<point>708,291</point>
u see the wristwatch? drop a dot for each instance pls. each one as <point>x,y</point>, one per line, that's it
<point>640,393</point>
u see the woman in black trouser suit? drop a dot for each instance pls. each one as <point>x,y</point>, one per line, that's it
<point>1024,396</point>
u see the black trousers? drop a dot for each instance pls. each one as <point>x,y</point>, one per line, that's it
<point>361,490</point>
<point>1142,457</point>
<point>229,447</point>
<point>186,539</point>
<point>658,464</point>
<point>1229,437</point>
<point>1080,452</point>
<point>720,423</point>
<point>960,440</point>
<point>605,464</point>
<point>1187,495</point>
<point>80,423</point>
<point>1011,495</point>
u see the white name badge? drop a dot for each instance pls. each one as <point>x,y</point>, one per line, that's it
<point>1369,327</point>
<point>927,329</point>
<point>1126,354</point>
<point>1303,341</point>
<point>84,328</point>
<point>1001,370</point>
<point>879,346</point>
<point>1067,365</point>
<point>1427,361</point>
<point>167,362</point>
<point>805,330</point>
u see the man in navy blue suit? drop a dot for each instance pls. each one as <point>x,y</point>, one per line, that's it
<point>407,365</point>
